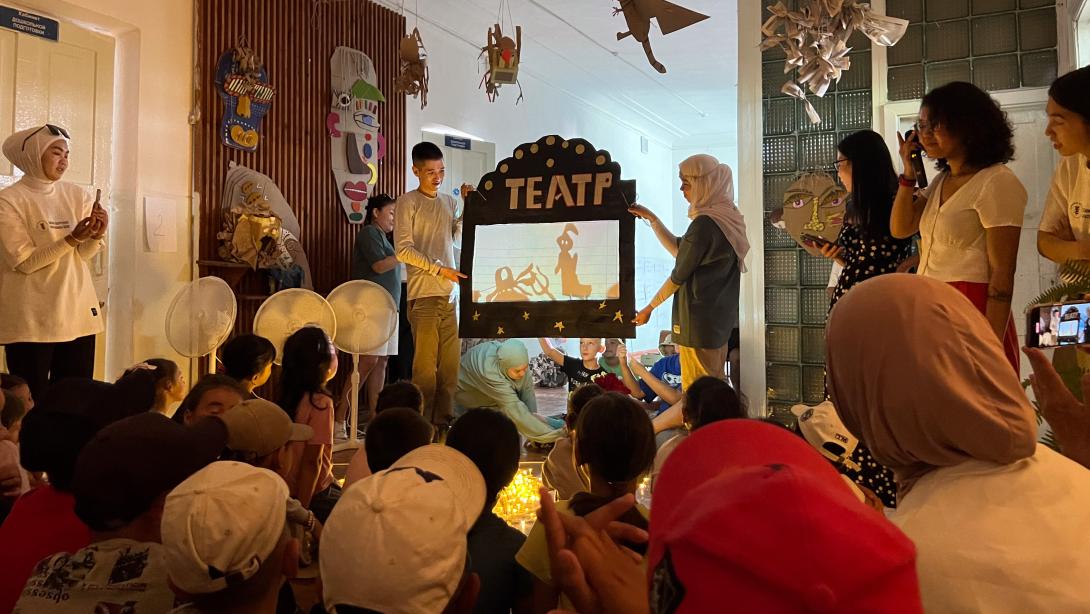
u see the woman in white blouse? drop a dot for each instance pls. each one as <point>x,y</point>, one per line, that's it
<point>49,229</point>
<point>970,217</point>
<point>1065,225</point>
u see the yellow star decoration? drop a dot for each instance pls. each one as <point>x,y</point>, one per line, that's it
<point>618,317</point>
<point>602,305</point>
<point>525,315</point>
<point>559,326</point>
<point>476,316</point>
<point>499,331</point>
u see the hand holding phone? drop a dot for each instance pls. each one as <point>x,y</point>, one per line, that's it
<point>814,240</point>
<point>915,158</point>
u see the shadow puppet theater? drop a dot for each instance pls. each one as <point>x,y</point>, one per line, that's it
<point>549,246</point>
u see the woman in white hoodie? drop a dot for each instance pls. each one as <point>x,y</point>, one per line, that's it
<point>49,229</point>
<point>1001,524</point>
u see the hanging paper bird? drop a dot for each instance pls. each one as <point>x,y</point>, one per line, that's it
<point>671,18</point>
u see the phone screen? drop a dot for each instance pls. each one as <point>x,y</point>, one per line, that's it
<point>1049,326</point>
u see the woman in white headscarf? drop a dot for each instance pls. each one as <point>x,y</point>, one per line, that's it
<point>710,260</point>
<point>49,229</point>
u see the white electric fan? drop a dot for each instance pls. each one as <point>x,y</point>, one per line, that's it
<point>200,318</point>
<point>289,310</point>
<point>366,319</point>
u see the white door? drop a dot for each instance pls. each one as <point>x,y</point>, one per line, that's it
<point>68,83</point>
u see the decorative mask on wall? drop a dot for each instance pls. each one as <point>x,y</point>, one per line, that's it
<point>353,129</point>
<point>503,54</point>
<point>413,78</point>
<point>244,87</point>
<point>814,205</point>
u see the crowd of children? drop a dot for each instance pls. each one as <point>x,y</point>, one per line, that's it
<point>918,486</point>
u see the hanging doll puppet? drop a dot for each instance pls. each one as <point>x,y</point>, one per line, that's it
<point>353,129</point>
<point>503,54</point>
<point>413,78</point>
<point>244,87</point>
<point>638,15</point>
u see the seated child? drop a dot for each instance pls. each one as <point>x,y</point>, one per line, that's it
<point>614,448</point>
<point>12,411</point>
<point>558,472</point>
<point>393,434</point>
<point>249,360</point>
<point>582,370</point>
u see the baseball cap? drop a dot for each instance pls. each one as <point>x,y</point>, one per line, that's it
<point>130,463</point>
<point>262,427</point>
<point>822,428</point>
<point>747,510</point>
<point>396,541</point>
<point>221,524</point>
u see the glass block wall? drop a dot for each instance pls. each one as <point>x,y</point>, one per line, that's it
<point>795,297</point>
<point>996,44</point>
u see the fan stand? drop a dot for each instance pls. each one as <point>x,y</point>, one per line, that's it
<point>353,440</point>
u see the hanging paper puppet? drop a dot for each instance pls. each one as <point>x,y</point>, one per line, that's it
<point>815,41</point>
<point>353,129</point>
<point>413,78</point>
<point>503,54</point>
<point>260,229</point>
<point>671,18</point>
<point>813,206</point>
<point>244,87</point>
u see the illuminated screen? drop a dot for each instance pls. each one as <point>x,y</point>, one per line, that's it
<point>556,261</point>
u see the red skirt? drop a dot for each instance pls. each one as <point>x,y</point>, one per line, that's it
<point>978,294</point>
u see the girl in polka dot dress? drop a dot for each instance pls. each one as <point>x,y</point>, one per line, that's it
<point>865,247</point>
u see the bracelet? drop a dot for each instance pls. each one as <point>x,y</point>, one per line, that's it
<point>309,526</point>
<point>906,182</point>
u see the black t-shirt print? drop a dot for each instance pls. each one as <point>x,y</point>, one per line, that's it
<point>578,374</point>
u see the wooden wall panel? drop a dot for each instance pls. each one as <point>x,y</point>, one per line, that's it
<point>295,39</point>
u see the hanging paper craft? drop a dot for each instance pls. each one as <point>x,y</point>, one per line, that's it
<point>353,129</point>
<point>260,229</point>
<point>244,87</point>
<point>671,18</point>
<point>815,41</point>
<point>814,205</point>
<point>571,272</point>
<point>503,55</point>
<point>413,78</point>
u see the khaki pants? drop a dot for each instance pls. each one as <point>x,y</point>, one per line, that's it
<point>435,363</point>
<point>698,362</point>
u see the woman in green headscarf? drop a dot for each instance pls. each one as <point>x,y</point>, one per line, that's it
<point>496,375</point>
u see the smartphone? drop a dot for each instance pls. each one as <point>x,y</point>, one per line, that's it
<point>98,200</point>
<point>1058,325</point>
<point>814,240</point>
<point>916,157</point>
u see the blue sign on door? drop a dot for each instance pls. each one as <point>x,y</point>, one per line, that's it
<point>29,23</point>
<point>458,143</point>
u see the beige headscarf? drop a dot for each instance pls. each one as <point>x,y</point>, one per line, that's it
<point>916,372</point>
<point>712,195</point>
<point>28,157</point>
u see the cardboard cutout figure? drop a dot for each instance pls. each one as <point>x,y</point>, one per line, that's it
<point>244,87</point>
<point>260,229</point>
<point>567,205</point>
<point>353,129</point>
<point>504,54</point>
<point>814,205</point>
<point>413,78</point>
<point>671,18</point>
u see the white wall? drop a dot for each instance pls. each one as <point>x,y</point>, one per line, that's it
<point>455,101</point>
<point>152,155</point>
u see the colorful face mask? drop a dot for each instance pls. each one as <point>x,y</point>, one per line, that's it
<point>353,128</point>
<point>244,87</point>
<point>814,205</point>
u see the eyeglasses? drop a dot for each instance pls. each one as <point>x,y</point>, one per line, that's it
<point>837,164</point>
<point>54,130</point>
<point>925,126</point>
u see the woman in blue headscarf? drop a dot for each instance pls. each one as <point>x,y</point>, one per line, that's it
<point>496,375</point>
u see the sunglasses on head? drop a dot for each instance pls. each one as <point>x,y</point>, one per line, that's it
<point>53,129</point>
